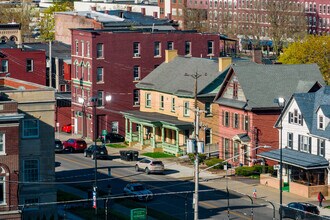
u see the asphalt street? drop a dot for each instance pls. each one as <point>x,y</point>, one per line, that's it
<point>172,196</point>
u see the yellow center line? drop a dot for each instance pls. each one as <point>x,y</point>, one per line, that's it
<point>76,162</point>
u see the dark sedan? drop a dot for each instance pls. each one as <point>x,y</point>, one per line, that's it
<point>96,150</point>
<point>58,146</point>
<point>300,210</point>
<point>114,138</point>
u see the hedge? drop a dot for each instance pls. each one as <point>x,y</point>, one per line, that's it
<point>256,169</point>
<point>213,161</point>
<point>201,158</point>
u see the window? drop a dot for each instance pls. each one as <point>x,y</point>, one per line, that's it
<point>30,128</point>
<point>136,97</point>
<point>226,119</point>
<point>321,147</point>
<point>246,122</point>
<point>236,120</point>
<point>208,136</point>
<point>173,105</point>
<point>290,140</point>
<point>148,100</point>
<point>208,109</point>
<point>235,151</point>
<point>136,49</point>
<point>235,90</point>
<point>186,109</point>
<point>99,52</point>
<point>100,95</point>
<point>114,127</point>
<point>99,76</point>
<point>88,49</point>
<point>2,143</point>
<point>321,122</point>
<point>295,117</point>
<point>29,65</point>
<point>2,190</point>
<point>157,49</point>
<point>161,102</point>
<point>170,45</point>
<point>210,47</point>
<point>77,47</point>
<point>77,71</point>
<point>136,72</point>
<point>304,143</point>
<point>88,73</point>
<point>226,147</point>
<point>82,48</point>
<point>187,48</point>
<point>161,11</point>
<point>31,170</point>
<point>4,66</point>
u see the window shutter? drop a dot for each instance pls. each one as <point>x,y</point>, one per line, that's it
<point>299,141</point>
<point>318,147</point>
<point>290,117</point>
<point>310,145</point>
<point>248,123</point>
<point>300,119</point>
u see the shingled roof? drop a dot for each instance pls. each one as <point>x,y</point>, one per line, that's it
<point>261,84</point>
<point>170,77</point>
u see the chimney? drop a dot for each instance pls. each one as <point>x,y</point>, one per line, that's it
<point>170,55</point>
<point>129,8</point>
<point>224,62</point>
<point>143,11</point>
<point>169,16</point>
<point>257,56</point>
<point>93,8</point>
<point>155,14</point>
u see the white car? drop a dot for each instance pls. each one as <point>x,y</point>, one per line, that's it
<point>150,166</point>
<point>139,191</point>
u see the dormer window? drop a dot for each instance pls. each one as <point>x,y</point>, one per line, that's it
<point>295,117</point>
<point>320,123</point>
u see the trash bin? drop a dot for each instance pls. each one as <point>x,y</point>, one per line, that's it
<point>135,155</point>
<point>129,156</point>
<point>123,155</point>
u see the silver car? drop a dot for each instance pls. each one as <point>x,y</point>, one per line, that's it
<point>150,166</point>
<point>138,191</point>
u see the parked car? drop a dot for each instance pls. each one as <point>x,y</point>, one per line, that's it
<point>150,166</point>
<point>73,145</point>
<point>96,150</point>
<point>139,191</point>
<point>300,210</point>
<point>114,138</point>
<point>58,146</point>
<point>67,128</point>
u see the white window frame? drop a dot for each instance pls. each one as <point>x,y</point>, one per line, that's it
<point>187,48</point>
<point>100,50</point>
<point>24,122</point>
<point>320,123</point>
<point>186,110</point>
<point>161,102</point>
<point>100,98</point>
<point>88,49</point>
<point>136,72</point>
<point>3,181</point>
<point>290,140</point>
<point>148,100</point>
<point>29,65</point>
<point>173,104</point>
<point>304,143</point>
<point>210,47</point>
<point>82,48</point>
<point>3,143</point>
<point>157,49</point>
<point>115,127</point>
<point>77,47</point>
<point>98,80</point>
<point>320,145</point>
<point>136,49</point>
<point>28,173</point>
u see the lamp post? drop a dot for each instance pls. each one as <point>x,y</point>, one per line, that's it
<point>281,103</point>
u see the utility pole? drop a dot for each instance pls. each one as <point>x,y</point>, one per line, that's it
<point>196,128</point>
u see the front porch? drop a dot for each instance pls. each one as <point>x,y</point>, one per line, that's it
<point>157,132</point>
<point>303,174</point>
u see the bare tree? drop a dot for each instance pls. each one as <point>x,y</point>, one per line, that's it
<point>195,19</point>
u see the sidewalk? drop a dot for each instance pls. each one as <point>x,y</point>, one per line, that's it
<point>218,181</point>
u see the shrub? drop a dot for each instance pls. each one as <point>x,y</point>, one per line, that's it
<point>256,169</point>
<point>201,158</point>
<point>213,161</point>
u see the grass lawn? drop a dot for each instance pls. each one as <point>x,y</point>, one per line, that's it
<point>157,155</point>
<point>120,145</point>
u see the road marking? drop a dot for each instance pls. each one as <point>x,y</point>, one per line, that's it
<point>76,162</point>
<point>231,212</point>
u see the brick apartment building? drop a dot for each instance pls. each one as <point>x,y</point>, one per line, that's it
<point>111,62</point>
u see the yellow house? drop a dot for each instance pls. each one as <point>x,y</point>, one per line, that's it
<point>167,104</point>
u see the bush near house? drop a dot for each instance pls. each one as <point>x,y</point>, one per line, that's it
<point>250,171</point>
<point>201,158</point>
<point>213,161</point>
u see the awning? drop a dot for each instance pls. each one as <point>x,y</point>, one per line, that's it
<point>243,138</point>
<point>295,158</point>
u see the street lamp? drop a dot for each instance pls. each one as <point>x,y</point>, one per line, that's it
<point>281,103</point>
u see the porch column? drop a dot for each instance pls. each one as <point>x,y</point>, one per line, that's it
<point>177,138</point>
<point>141,134</point>
<point>163,134</point>
<point>153,143</point>
<point>126,126</point>
<point>130,130</point>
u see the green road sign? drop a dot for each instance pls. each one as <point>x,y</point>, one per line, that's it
<point>138,214</point>
<point>104,132</point>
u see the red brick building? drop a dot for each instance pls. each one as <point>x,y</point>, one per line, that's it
<point>27,65</point>
<point>110,62</point>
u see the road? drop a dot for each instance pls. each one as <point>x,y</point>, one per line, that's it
<point>78,171</point>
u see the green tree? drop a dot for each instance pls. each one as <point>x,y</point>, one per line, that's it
<point>47,22</point>
<point>312,49</point>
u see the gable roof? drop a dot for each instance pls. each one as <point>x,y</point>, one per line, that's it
<point>170,77</point>
<point>261,84</point>
<point>309,103</point>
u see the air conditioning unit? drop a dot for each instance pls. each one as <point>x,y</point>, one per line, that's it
<point>136,55</point>
<point>136,78</point>
<point>136,103</point>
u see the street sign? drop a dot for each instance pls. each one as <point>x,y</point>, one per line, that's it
<point>104,132</point>
<point>94,199</point>
<point>138,214</point>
